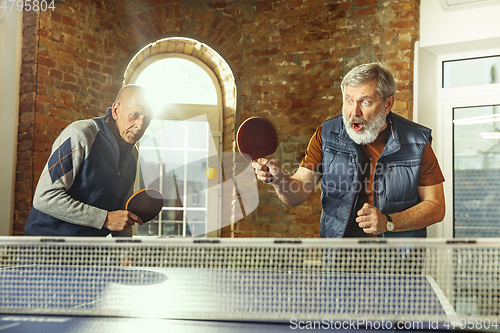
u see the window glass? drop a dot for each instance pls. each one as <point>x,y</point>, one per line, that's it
<point>476,152</point>
<point>175,80</point>
<point>471,72</point>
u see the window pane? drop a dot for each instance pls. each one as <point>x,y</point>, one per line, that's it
<point>174,134</point>
<point>197,222</point>
<point>172,215</point>
<point>175,80</point>
<point>476,152</point>
<point>471,72</point>
<point>197,179</point>
<point>198,134</point>
<point>172,229</point>
<point>148,229</point>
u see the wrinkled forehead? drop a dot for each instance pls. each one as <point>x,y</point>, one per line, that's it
<point>367,88</point>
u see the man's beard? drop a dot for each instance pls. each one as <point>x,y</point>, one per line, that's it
<point>370,130</point>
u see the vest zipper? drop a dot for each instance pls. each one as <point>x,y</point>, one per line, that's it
<point>375,195</point>
<point>354,196</point>
<point>350,214</point>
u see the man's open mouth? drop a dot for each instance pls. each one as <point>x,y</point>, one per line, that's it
<point>357,126</point>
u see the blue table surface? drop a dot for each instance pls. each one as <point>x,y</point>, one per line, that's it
<point>22,285</point>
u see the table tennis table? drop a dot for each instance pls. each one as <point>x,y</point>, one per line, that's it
<point>120,290</point>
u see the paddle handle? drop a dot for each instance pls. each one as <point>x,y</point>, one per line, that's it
<point>270,180</point>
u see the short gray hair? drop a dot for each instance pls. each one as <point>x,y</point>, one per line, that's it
<point>386,86</point>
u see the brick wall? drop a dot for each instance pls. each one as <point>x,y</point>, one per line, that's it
<point>288,58</point>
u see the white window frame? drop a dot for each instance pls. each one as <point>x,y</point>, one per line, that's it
<point>447,100</point>
<point>188,111</point>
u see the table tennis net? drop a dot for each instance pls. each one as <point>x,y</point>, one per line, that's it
<point>251,279</point>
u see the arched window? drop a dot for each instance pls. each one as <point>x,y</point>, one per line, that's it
<point>182,144</point>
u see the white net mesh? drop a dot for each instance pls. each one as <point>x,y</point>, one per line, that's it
<point>252,279</point>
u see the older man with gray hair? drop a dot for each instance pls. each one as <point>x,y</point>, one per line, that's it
<point>91,171</point>
<point>379,175</point>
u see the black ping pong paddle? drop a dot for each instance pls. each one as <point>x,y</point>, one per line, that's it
<point>146,204</point>
<point>256,138</point>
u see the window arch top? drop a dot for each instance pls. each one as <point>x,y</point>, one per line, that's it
<point>178,80</point>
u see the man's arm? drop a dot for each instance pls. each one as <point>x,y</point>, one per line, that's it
<point>429,211</point>
<point>292,190</point>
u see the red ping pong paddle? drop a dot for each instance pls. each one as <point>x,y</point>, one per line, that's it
<point>256,138</point>
<point>146,204</point>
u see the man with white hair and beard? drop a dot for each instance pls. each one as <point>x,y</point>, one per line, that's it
<point>379,175</point>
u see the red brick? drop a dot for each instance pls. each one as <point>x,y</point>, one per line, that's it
<point>96,3</point>
<point>55,17</point>
<point>69,78</point>
<point>44,81</point>
<point>43,119</point>
<point>108,70</point>
<point>56,74</point>
<point>300,103</point>
<point>71,87</point>
<point>269,209</point>
<point>65,57</point>
<point>284,104</point>
<point>359,3</point>
<point>365,11</point>
<point>403,25</point>
<point>68,21</point>
<point>294,3</point>
<point>61,122</point>
<point>94,66</point>
<point>44,99</point>
<point>136,23</point>
<point>65,96</point>
<point>42,70</point>
<point>46,62</point>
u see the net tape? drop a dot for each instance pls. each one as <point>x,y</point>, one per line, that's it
<point>251,279</point>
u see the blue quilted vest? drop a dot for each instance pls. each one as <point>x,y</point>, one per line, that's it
<point>395,184</point>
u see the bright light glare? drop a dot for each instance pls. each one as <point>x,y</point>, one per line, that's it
<point>490,135</point>
<point>478,120</point>
<point>175,80</point>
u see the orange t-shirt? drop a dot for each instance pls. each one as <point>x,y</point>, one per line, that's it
<point>430,172</point>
